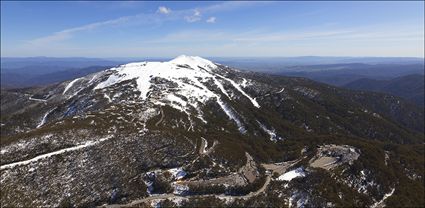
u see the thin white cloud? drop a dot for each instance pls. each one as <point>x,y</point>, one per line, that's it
<point>211,20</point>
<point>247,36</point>
<point>188,15</point>
<point>196,16</point>
<point>287,36</point>
<point>67,33</point>
<point>164,10</point>
<point>258,37</point>
<point>378,40</point>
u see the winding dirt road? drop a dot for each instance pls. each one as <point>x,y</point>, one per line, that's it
<point>275,167</point>
<point>162,117</point>
<point>173,196</point>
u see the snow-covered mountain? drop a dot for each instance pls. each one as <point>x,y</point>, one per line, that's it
<point>189,127</point>
<point>184,83</point>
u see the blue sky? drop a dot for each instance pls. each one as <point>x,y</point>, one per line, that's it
<point>220,29</point>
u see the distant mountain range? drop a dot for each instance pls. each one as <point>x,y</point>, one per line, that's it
<point>35,71</point>
<point>279,64</point>
<point>342,74</point>
<point>410,87</point>
<point>20,79</point>
<point>25,72</point>
<point>50,64</point>
<point>264,64</point>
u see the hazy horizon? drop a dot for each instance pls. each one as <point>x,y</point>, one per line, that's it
<point>230,57</point>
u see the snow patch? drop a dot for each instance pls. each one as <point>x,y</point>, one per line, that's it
<point>204,148</point>
<point>178,173</point>
<point>288,176</point>
<point>107,97</point>
<point>193,61</point>
<point>245,83</point>
<point>386,158</point>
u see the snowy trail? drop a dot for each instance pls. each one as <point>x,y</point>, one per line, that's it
<point>235,85</point>
<point>221,87</point>
<point>43,156</point>
<point>70,85</point>
<point>283,89</point>
<point>36,99</point>
<point>231,115</point>
<point>43,120</point>
<point>270,132</point>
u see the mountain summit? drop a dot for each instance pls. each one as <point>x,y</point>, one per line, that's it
<point>185,83</point>
<point>192,132</point>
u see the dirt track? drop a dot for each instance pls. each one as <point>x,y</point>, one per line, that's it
<point>173,196</point>
<point>246,174</point>
<point>275,167</point>
<point>162,118</point>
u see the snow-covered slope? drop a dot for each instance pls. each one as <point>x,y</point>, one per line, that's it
<point>188,72</point>
<point>186,83</point>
